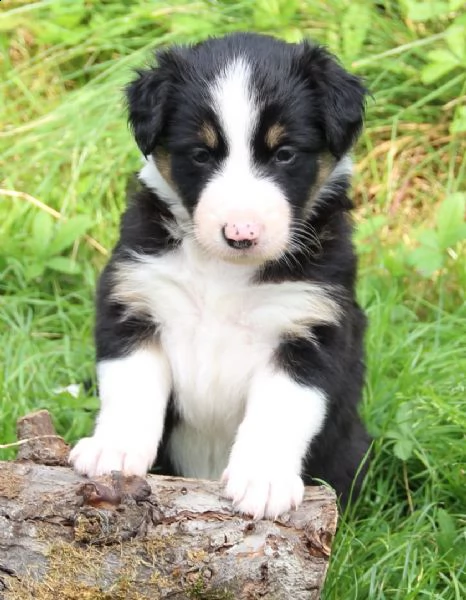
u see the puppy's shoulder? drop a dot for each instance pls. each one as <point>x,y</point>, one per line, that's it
<point>147,224</point>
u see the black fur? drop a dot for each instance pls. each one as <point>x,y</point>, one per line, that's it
<point>321,107</point>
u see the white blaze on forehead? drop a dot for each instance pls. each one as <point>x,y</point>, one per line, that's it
<point>233,102</point>
<point>238,194</point>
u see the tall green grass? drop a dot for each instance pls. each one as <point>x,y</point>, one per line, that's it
<point>66,155</point>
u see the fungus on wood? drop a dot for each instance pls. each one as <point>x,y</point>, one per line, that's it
<point>68,537</point>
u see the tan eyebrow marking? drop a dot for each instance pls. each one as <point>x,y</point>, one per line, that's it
<point>325,164</point>
<point>274,135</point>
<point>162,160</point>
<point>209,135</point>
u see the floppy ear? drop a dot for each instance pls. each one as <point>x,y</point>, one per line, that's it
<point>341,97</point>
<point>148,98</point>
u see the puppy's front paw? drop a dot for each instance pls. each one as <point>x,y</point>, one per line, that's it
<point>98,455</point>
<point>256,493</point>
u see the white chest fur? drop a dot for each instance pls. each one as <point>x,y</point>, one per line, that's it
<point>217,329</point>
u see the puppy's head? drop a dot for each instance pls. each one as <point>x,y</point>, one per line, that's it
<point>241,135</point>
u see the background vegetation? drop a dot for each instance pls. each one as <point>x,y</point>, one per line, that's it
<point>66,153</point>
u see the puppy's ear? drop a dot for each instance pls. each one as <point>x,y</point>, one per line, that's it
<point>341,97</point>
<point>147,98</point>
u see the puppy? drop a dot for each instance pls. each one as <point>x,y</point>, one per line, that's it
<point>229,341</point>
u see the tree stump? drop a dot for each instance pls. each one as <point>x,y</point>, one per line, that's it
<point>66,537</point>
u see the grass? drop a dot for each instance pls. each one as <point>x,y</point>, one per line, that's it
<point>66,154</point>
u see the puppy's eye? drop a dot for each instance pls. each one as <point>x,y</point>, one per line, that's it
<point>285,155</point>
<point>200,156</point>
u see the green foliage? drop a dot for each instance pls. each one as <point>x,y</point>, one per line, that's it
<point>45,247</point>
<point>447,532</point>
<point>403,434</point>
<point>64,141</point>
<point>418,10</point>
<point>436,246</point>
<point>450,57</point>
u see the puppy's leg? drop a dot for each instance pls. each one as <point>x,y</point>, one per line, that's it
<point>282,417</point>
<point>134,392</point>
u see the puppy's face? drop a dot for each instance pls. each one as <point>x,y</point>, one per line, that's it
<point>245,131</point>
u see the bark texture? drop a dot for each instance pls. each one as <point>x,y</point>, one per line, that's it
<point>64,537</point>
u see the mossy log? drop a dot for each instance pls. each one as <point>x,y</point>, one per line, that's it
<point>66,537</point>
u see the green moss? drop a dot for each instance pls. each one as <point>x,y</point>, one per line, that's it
<point>200,590</point>
<point>82,572</point>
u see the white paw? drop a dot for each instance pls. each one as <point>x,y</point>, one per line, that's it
<point>256,493</point>
<point>99,455</point>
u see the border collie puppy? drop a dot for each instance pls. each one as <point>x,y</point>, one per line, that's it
<point>229,341</point>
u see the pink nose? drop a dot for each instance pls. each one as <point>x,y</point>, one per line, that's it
<point>241,234</point>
